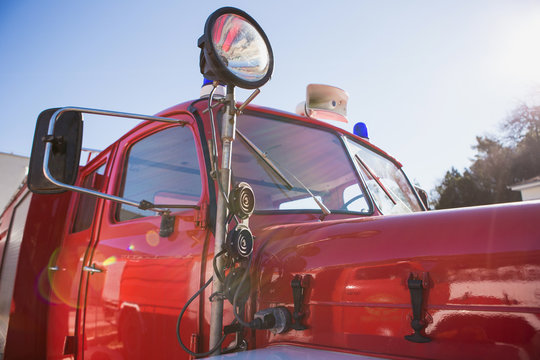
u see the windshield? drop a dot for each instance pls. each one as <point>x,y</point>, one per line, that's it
<point>301,160</point>
<point>387,184</point>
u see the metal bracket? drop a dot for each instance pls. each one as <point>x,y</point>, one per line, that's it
<point>58,143</point>
<point>217,296</point>
<point>201,216</point>
<point>416,287</point>
<point>298,297</point>
<point>167,224</point>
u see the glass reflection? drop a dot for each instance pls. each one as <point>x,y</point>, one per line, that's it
<point>240,47</point>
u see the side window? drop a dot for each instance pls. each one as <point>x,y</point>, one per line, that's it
<point>162,168</point>
<point>387,184</point>
<point>354,199</point>
<point>87,203</point>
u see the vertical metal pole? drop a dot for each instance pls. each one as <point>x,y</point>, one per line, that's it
<point>228,130</point>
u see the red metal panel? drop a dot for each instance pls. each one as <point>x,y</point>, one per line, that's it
<point>42,233</point>
<point>483,266</point>
<point>11,249</point>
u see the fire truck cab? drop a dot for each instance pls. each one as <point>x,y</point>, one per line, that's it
<point>313,239</point>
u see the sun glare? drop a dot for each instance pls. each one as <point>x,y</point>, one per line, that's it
<point>520,57</point>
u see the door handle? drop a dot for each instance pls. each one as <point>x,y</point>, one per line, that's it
<point>92,269</point>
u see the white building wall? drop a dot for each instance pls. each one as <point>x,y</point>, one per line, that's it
<point>13,169</point>
<point>532,193</point>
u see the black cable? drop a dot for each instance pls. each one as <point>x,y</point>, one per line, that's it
<point>216,270</point>
<point>230,217</point>
<point>218,345</point>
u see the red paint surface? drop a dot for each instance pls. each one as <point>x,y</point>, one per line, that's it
<point>483,297</point>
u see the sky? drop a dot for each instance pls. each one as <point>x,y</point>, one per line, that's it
<point>426,77</point>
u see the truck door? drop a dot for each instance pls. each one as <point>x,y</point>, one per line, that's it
<point>64,271</point>
<point>140,280</point>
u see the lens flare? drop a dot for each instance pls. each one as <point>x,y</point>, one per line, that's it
<point>43,288</point>
<point>109,261</point>
<point>44,280</point>
<point>58,284</point>
<point>152,238</point>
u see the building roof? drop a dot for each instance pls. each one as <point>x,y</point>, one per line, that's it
<point>14,169</point>
<point>525,184</point>
<point>13,155</point>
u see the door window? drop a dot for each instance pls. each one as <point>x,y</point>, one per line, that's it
<point>162,168</point>
<point>87,203</point>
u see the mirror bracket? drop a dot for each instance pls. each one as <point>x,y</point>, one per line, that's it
<point>42,180</point>
<point>166,227</point>
<point>145,205</point>
<point>58,143</point>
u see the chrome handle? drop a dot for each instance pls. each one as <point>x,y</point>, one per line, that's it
<point>92,269</point>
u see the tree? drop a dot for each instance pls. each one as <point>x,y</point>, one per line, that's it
<point>498,163</point>
<point>525,127</point>
<point>457,190</point>
<point>524,122</point>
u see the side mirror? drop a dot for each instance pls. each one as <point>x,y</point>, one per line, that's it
<point>57,151</point>
<point>423,196</point>
<point>65,151</point>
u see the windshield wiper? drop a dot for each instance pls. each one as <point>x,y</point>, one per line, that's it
<point>324,209</point>
<point>266,159</point>
<point>376,178</point>
<point>274,167</point>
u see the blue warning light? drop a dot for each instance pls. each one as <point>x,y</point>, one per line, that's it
<point>360,129</point>
<point>207,82</point>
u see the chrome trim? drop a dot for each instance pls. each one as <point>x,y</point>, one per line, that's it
<point>92,269</point>
<point>248,101</point>
<point>48,148</point>
<point>91,150</point>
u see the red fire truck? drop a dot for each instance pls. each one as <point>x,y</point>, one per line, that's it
<point>219,228</point>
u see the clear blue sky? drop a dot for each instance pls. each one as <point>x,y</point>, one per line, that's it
<point>425,76</point>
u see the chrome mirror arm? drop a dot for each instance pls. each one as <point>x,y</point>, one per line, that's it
<point>48,148</point>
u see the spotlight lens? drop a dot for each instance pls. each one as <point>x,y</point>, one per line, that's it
<point>240,47</point>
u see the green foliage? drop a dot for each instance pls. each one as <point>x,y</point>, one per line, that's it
<point>499,162</point>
